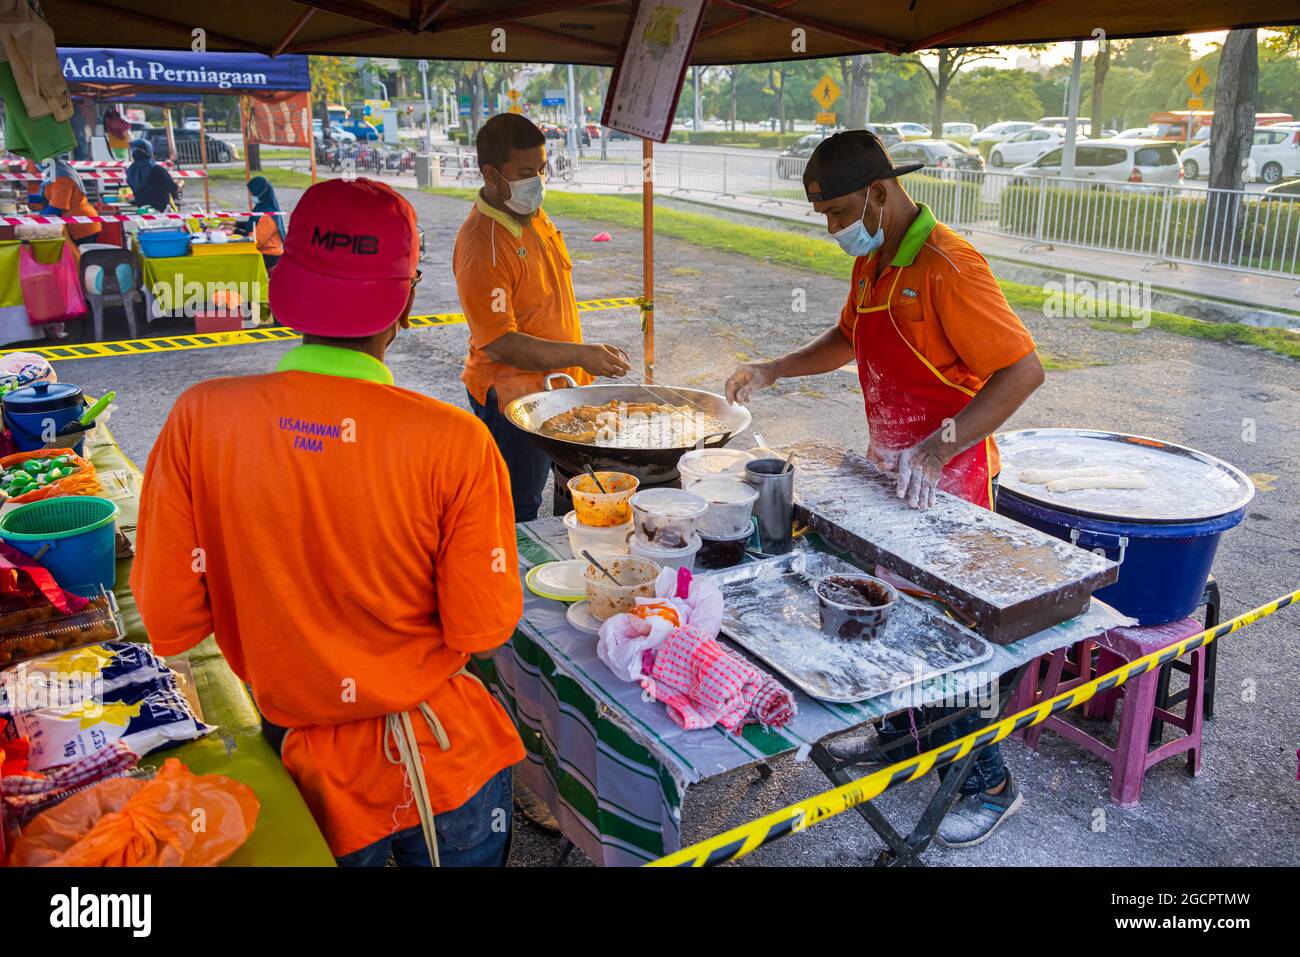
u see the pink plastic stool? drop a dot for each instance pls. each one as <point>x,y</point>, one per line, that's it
<point>1129,759</point>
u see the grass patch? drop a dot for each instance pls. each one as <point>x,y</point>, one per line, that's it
<point>686,271</point>
<point>825,258</point>
<point>276,175</point>
<point>1055,363</point>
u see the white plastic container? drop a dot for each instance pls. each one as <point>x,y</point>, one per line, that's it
<point>699,464</point>
<point>731,502</point>
<point>667,517</point>
<point>666,557</point>
<point>607,540</point>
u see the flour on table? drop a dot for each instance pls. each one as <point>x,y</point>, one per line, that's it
<point>1043,476</point>
<point>1109,480</point>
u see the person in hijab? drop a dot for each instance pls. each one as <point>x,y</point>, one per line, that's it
<point>64,194</point>
<point>118,133</point>
<point>266,225</point>
<point>151,184</point>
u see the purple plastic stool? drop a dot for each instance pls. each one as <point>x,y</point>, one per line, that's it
<point>1129,759</point>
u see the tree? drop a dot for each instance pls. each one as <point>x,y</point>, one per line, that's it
<point>332,78</point>
<point>989,94</point>
<point>1234,130</point>
<point>950,60</point>
<point>856,74</point>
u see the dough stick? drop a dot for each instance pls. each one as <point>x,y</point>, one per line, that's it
<point>1043,476</point>
<point>1115,480</point>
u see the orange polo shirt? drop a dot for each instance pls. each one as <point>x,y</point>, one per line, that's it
<point>66,195</point>
<point>513,278</point>
<point>347,569</point>
<point>946,305</point>
<point>267,234</point>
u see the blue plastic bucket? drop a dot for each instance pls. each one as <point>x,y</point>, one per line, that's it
<point>34,414</point>
<point>1163,565</point>
<point>73,536</point>
<point>164,243</point>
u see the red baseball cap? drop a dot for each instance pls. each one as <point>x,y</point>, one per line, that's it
<point>349,257</point>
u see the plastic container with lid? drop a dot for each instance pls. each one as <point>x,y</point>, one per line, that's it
<point>667,517</point>
<point>724,551</point>
<point>699,464</point>
<point>683,557</point>
<point>606,540</point>
<point>603,509</point>
<point>35,413</point>
<point>731,502</point>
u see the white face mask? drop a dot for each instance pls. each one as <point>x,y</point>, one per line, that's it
<point>526,195</point>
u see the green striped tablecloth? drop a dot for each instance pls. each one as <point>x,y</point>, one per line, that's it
<point>614,768</point>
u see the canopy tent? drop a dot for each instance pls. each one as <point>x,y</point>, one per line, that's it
<point>589,31</point>
<point>168,76</point>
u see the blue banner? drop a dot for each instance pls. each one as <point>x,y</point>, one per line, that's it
<point>175,70</point>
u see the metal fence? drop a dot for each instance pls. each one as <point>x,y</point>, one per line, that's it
<point>1175,223</point>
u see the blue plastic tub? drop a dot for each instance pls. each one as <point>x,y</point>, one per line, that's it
<point>1163,565</point>
<point>73,536</point>
<point>164,243</point>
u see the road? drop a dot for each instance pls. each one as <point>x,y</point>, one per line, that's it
<point>714,309</point>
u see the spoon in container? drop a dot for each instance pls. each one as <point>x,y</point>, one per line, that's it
<point>605,571</point>
<point>588,469</point>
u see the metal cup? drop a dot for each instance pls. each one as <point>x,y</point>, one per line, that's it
<point>775,506</point>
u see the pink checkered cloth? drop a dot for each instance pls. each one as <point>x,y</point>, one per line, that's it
<point>702,684</point>
<point>27,791</point>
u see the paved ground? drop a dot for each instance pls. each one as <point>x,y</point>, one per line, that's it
<point>715,308</point>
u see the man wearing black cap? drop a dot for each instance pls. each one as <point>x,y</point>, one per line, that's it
<point>943,362</point>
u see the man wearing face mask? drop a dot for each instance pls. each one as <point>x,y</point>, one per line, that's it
<point>514,278</point>
<point>942,358</point>
<point>943,362</point>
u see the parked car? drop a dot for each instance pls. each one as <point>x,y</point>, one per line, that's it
<point>1274,156</point>
<point>364,132</point>
<point>337,132</point>
<point>616,134</point>
<point>960,132</point>
<point>912,131</point>
<point>889,135</point>
<point>1138,133</point>
<point>1061,122</point>
<point>187,146</point>
<point>561,133</point>
<point>1111,161</point>
<point>790,164</point>
<point>1026,146</point>
<point>944,154</point>
<point>1000,132</point>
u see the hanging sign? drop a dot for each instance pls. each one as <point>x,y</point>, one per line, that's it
<point>652,61</point>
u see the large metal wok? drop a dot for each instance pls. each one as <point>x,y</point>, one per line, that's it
<point>652,466</point>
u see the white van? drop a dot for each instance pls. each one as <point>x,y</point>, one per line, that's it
<point>1113,161</point>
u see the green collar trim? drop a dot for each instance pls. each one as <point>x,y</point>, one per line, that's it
<point>915,236</point>
<point>505,219</point>
<point>335,360</point>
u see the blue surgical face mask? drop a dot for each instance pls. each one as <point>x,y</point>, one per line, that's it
<point>856,241</point>
<point>526,195</point>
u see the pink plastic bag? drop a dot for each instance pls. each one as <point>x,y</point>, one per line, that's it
<point>51,293</point>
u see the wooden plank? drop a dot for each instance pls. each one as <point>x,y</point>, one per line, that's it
<point>1012,579</point>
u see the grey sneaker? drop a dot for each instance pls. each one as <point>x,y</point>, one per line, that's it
<point>974,818</point>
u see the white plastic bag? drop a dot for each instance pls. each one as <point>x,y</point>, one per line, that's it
<point>625,638</point>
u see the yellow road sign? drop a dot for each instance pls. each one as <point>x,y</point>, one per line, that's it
<point>826,92</point>
<point>1195,103</point>
<point>513,94</point>
<point>1198,81</point>
<point>825,119</point>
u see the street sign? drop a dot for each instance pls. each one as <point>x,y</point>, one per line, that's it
<point>1198,81</point>
<point>553,98</point>
<point>825,119</point>
<point>513,94</point>
<point>826,92</point>
<point>1195,103</point>
<point>516,108</point>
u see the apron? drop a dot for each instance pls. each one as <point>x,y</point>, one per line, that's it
<point>907,399</point>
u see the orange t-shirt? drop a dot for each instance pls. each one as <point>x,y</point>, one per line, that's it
<point>64,194</point>
<point>513,278</point>
<point>350,544</point>
<point>946,304</point>
<point>267,234</point>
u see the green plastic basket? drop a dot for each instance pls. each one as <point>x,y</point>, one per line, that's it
<point>73,536</point>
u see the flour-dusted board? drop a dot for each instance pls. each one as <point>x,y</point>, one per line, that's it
<point>1012,579</point>
<point>770,610</point>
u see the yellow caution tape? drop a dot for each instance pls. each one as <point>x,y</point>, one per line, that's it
<point>246,337</point>
<point>739,841</point>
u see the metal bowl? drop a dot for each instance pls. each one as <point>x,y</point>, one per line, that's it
<point>652,466</point>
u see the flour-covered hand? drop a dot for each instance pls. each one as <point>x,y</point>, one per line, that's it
<point>919,472</point>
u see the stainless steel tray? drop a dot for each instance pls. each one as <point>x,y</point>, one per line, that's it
<point>770,610</point>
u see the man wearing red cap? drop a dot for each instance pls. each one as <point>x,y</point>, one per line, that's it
<point>351,598</point>
<point>514,278</point>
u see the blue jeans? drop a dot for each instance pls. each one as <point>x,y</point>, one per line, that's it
<point>476,834</point>
<point>528,465</point>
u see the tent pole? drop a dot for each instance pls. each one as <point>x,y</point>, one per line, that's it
<point>243,132</point>
<point>311,140</point>
<point>203,156</point>
<point>171,135</point>
<point>648,257</point>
